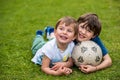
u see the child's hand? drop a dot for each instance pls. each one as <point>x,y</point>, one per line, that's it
<point>58,65</point>
<point>64,71</point>
<point>68,71</point>
<point>87,68</point>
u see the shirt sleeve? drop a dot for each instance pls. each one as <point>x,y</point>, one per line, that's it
<point>37,59</point>
<point>45,50</point>
<point>100,43</point>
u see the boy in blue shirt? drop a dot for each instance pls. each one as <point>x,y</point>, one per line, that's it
<point>89,29</point>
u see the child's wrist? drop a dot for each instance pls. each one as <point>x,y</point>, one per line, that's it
<point>66,63</point>
<point>96,68</point>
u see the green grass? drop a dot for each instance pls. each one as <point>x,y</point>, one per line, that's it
<point>19,20</point>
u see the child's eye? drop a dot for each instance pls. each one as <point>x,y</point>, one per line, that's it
<point>70,31</point>
<point>89,30</point>
<point>61,28</point>
<point>82,27</point>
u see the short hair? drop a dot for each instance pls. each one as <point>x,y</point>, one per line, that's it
<point>91,21</point>
<point>68,21</point>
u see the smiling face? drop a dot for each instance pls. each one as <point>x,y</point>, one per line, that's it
<point>89,26</point>
<point>64,33</point>
<point>84,33</point>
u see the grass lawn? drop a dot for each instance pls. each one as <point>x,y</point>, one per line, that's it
<point>19,20</point>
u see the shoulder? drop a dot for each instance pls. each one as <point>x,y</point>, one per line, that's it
<point>50,43</point>
<point>95,38</point>
<point>101,44</point>
<point>71,44</point>
<point>50,46</point>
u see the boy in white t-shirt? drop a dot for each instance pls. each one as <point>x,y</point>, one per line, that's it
<point>55,55</point>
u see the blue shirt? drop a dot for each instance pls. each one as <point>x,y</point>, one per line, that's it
<point>100,43</point>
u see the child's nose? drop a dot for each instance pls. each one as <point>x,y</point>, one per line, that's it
<point>84,31</point>
<point>65,31</point>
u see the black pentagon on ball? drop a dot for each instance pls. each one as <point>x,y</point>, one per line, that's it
<point>80,59</point>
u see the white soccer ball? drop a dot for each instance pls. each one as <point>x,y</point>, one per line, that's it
<point>87,52</point>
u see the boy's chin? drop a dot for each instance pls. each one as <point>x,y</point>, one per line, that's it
<point>82,40</point>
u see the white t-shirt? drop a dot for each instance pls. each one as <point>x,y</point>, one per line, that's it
<point>51,50</point>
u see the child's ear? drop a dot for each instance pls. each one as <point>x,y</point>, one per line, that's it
<point>55,31</point>
<point>94,36</point>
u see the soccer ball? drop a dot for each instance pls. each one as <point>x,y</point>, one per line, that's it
<point>87,52</point>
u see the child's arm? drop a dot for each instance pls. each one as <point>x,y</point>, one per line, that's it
<point>104,64</point>
<point>67,64</point>
<point>61,71</point>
